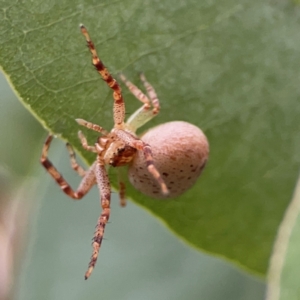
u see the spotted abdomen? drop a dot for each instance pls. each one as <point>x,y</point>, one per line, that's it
<point>180,152</point>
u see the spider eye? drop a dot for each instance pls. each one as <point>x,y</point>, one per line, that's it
<point>120,150</point>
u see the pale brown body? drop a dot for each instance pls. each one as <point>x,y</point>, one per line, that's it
<point>116,148</point>
<point>180,161</point>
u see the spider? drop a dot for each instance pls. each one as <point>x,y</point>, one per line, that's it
<point>116,148</point>
<point>121,146</point>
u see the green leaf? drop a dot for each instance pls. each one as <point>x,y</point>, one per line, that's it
<point>58,247</point>
<point>283,274</point>
<point>231,68</point>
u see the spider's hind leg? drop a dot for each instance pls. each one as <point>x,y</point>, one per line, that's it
<point>122,187</point>
<point>152,95</point>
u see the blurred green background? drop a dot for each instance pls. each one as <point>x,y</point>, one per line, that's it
<point>139,259</point>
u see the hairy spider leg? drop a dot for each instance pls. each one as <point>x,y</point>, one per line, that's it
<point>136,92</point>
<point>144,113</point>
<point>152,169</point>
<point>122,187</point>
<point>119,105</point>
<point>84,143</point>
<point>91,126</point>
<point>105,191</point>
<point>82,137</point>
<point>151,94</point>
<point>74,164</point>
<point>86,183</point>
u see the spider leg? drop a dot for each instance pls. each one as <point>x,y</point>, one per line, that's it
<point>122,188</point>
<point>144,113</point>
<point>85,185</point>
<point>152,169</point>
<point>92,126</point>
<point>85,144</point>
<point>74,164</point>
<point>119,105</point>
<point>105,190</point>
<point>152,94</point>
<point>136,92</point>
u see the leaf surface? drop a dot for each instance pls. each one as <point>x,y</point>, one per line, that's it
<point>231,68</point>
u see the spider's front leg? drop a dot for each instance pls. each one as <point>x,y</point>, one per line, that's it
<point>105,192</point>
<point>119,105</point>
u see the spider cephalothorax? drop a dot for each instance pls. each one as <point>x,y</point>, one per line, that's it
<point>115,152</point>
<point>181,151</point>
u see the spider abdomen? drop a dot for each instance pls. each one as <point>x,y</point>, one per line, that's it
<point>180,151</point>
